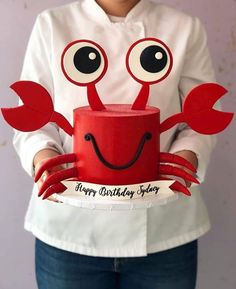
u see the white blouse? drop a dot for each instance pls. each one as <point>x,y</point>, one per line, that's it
<point>131,232</point>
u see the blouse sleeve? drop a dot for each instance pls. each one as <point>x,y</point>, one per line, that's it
<point>37,67</point>
<point>197,69</point>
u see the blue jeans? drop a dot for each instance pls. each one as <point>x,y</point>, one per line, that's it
<point>171,269</point>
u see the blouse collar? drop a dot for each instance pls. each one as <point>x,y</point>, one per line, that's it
<point>98,14</point>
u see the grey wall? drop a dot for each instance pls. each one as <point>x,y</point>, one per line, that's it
<point>217,259</point>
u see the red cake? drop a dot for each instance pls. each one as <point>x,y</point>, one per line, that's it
<point>118,145</point>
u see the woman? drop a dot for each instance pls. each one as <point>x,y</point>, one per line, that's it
<point>146,248</point>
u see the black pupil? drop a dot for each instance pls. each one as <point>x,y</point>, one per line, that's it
<point>153,59</point>
<point>87,60</point>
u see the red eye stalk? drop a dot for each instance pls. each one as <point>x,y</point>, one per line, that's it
<point>148,61</point>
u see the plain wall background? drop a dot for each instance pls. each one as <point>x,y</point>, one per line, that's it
<point>217,258</point>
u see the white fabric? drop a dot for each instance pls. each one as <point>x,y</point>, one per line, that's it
<point>116,19</point>
<point>115,233</point>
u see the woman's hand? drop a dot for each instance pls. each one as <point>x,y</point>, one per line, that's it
<point>41,157</point>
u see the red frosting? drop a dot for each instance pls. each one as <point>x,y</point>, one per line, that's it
<point>118,132</point>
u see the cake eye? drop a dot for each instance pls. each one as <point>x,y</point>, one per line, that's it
<point>84,62</point>
<point>149,60</point>
<point>87,60</point>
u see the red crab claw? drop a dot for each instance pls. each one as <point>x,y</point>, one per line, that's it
<point>52,183</point>
<point>198,110</point>
<point>36,111</point>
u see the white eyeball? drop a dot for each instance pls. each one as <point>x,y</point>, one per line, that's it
<point>84,62</point>
<point>149,60</point>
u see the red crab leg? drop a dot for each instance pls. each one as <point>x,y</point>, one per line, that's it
<point>58,177</point>
<point>54,189</point>
<point>177,186</point>
<point>55,161</point>
<point>171,158</point>
<point>174,171</point>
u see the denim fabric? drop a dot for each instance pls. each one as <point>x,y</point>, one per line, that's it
<point>171,269</point>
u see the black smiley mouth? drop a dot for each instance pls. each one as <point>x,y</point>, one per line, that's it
<point>146,137</point>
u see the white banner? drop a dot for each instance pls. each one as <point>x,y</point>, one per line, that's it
<point>125,192</point>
